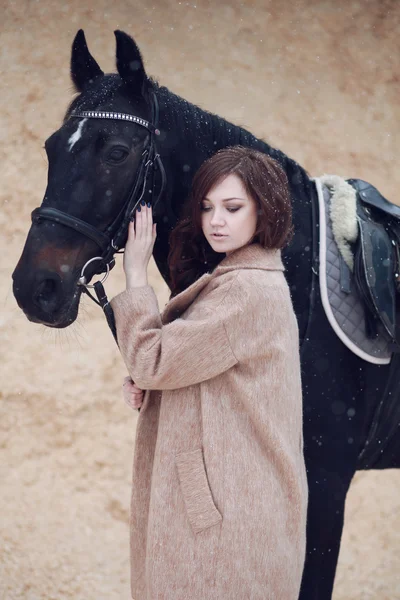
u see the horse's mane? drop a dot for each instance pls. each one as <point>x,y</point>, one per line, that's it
<point>212,132</point>
<point>188,117</point>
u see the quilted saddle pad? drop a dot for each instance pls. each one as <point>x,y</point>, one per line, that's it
<point>343,308</point>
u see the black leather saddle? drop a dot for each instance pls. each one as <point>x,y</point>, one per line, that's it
<point>377,261</point>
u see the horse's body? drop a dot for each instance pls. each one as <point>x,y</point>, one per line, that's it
<point>342,393</point>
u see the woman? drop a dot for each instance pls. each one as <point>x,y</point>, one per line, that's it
<point>219,492</point>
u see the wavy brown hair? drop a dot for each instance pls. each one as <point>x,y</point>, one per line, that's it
<point>190,254</point>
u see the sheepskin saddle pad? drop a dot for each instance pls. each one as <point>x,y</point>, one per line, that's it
<point>359,241</point>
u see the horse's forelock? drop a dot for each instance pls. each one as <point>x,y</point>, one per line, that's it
<point>99,92</point>
<point>95,94</point>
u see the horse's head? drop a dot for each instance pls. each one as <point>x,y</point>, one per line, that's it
<point>94,164</point>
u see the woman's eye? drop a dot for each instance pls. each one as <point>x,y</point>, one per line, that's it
<point>117,154</point>
<point>230,209</point>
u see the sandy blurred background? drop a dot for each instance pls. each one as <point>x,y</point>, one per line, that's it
<point>318,79</point>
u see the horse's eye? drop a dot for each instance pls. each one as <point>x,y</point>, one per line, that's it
<point>117,155</point>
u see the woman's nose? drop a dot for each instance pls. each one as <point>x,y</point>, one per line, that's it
<point>217,218</point>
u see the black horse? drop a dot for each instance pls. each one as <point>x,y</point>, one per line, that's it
<point>100,158</point>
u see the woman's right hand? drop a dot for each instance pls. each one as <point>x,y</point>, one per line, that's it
<point>132,394</point>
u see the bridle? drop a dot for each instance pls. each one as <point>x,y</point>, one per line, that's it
<point>114,237</point>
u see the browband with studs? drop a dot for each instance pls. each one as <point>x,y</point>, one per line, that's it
<point>95,114</point>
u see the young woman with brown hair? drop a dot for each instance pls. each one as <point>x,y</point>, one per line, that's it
<point>219,491</point>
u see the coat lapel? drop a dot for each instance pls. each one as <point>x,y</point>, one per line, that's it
<point>177,305</point>
<point>253,256</point>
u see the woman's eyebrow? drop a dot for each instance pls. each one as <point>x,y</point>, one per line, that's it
<point>227,199</point>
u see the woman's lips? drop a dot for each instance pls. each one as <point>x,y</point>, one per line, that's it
<point>218,236</point>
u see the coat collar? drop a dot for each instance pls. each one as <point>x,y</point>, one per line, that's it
<point>252,256</point>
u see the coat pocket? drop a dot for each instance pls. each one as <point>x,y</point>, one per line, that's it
<point>199,503</point>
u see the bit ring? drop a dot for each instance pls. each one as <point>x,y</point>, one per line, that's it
<point>82,278</point>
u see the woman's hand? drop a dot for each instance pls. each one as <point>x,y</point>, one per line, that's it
<point>139,246</point>
<point>132,394</point>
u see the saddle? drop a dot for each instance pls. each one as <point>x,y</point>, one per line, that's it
<point>359,241</point>
<point>377,261</point>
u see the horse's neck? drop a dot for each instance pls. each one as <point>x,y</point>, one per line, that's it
<point>192,135</point>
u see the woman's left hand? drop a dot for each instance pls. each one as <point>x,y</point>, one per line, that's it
<point>132,394</point>
<point>139,246</point>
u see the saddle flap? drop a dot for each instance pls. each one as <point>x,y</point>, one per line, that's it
<point>375,270</point>
<point>369,195</point>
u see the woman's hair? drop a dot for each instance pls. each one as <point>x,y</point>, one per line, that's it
<point>190,254</point>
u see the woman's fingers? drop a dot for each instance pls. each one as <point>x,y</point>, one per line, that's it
<point>140,222</point>
<point>133,400</point>
<point>145,213</point>
<point>149,222</point>
<point>132,394</point>
<point>131,386</point>
<point>140,243</point>
<point>138,225</point>
<point>144,222</point>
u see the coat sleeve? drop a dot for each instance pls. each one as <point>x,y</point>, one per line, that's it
<point>179,354</point>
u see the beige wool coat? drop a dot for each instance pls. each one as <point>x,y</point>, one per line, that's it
<point>219,491</point>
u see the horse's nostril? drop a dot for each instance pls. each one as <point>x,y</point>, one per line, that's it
<point>46,288</point>
<point>45,296</point>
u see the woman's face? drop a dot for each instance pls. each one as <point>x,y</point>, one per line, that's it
<point>229,215</point>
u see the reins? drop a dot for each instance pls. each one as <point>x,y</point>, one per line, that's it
<point>113,238</point>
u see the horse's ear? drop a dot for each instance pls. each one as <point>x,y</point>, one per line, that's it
<point>130,63</point>
<point>84,68</point>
